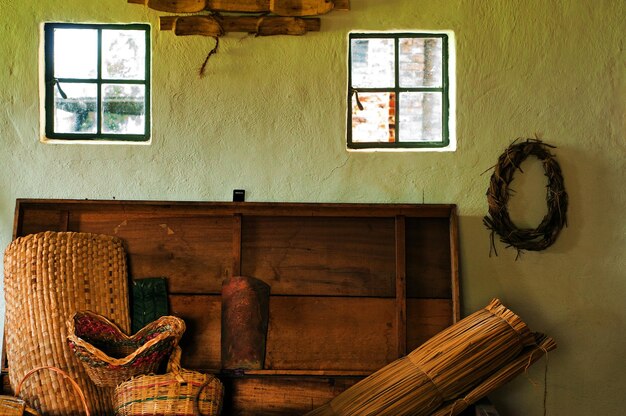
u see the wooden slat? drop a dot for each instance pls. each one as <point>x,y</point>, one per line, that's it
<point>37,220</point>
<point>300,7</point>
<point>201,342</point>
<point>280,7</point>
<point>280,396</point>
<point>197,208</point>
<point>454,265</point>
<point>400,286</point>
<point>321,256</point>
<point>244,6</point>
<point>263,26</point>
<point>310,333</point>
<point>426,318</point>
<point>236,271</point>
<point>174,6</point>
<point>195,255</point>
<point>307,373</point>
<point>428,258</point>
<point>313,335</point>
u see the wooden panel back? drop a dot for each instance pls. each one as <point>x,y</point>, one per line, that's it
<point>428,258</point>
<point>320,255</point>
<point>193,252</point>
<point>353,286</point>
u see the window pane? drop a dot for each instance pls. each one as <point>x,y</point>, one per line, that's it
<point>124,109</point>
<point>75,53</point>
<point>421,62</point>
<point>123,54</point>
<point>373,63</point>
<point>376,122</point>
<point>78,112</point>
<point>421,115</point>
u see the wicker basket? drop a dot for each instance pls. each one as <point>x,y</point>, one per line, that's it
<point>178,392</point>
<point>111,357</point>
<point>47,277</point>
<point>14,406</point>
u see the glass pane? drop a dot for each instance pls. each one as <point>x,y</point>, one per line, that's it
<point>421,62</point>
<point>373,63</point>
<point>123,54</point>
<point>377,121</point>
<point>124,109</point>
<point>421,117</point>
<point>78,112</point>
<point>75,53</point>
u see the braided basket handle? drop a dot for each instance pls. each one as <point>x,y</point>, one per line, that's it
<point>196,399</point>
<point>75,385</point>
<point>173,366</point>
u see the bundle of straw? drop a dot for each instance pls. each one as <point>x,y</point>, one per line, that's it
<point>441,370</point>
<point>507,373</point>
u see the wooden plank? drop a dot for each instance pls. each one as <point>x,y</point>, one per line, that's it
<point>314,335</point>
<point>202,339</point>
<point>321,373</point>
<point>199,208</point>
<point>236,271</point>
<point>174,6</point>
<point>428,258</point>
<point>310,333</point>
<point>300,7</point>
<point>280,7</point>
<point>454,265</point>
<point>260,25</point>
<point>194,254</point>
<point>38,220</point>
<point>244,6</point>
<point>321,256</point>
<point>426,318</point>
<point>400,286</point>
<point>279,396</point>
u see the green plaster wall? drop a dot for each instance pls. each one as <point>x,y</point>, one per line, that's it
<point>269,117</point>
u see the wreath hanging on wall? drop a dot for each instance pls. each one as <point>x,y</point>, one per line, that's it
<point>498,220</point>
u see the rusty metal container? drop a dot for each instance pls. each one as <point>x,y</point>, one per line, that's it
<point>245,315</point>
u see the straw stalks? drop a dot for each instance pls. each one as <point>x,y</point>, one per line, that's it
<point>449,371</point>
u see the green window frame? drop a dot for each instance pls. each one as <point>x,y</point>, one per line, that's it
<point>113,99</point>
<point>398,109</point>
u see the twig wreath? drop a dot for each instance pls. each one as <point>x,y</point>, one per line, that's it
<point>498,220</point>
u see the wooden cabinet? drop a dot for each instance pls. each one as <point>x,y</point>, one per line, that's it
<point>353,286</point>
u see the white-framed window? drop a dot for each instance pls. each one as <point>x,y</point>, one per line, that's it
<point>401,91</point>
<point>97,82</point>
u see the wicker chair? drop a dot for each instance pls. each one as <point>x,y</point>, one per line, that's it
<point>47,277</point>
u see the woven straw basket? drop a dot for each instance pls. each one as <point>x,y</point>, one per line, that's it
<point>111,357</point>
<point>178,392</point>
<point>49,276</point>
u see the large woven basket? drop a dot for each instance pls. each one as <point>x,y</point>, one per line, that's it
<point>47,277</point>
<point>15,406</point>
<point>111,357</point>
<point>178,392</point>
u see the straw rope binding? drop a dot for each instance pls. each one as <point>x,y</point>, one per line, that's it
<point>499,221</point>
